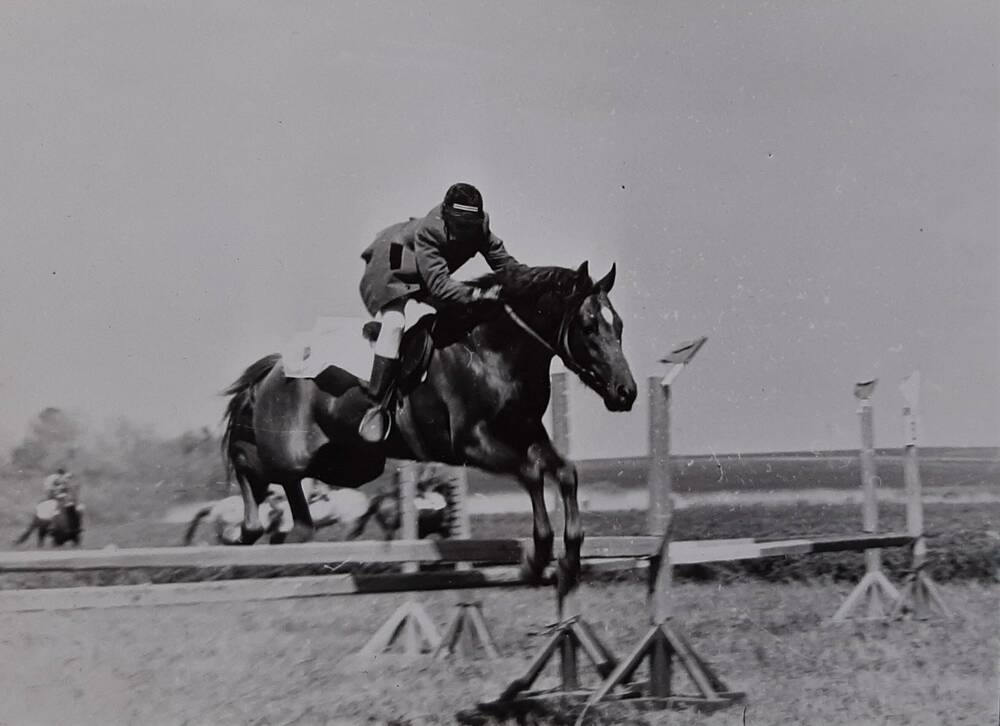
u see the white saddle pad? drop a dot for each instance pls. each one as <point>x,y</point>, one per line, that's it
<point>337,341</point>
<point>47,509</point>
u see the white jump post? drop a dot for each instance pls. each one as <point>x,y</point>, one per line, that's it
<point>559,406</point>
<point>410,619</point>
<point>663,641</point>
<point>874,589</point>
<point>467,631</point>
<point>919,594</point>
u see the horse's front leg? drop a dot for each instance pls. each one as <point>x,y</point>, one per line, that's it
<point>535,561</point>
<point>564,472</point>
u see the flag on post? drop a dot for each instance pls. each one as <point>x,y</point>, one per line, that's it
<point>685,351</point>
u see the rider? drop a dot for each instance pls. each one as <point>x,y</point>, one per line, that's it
<point>54,485</point>
<point>414,260</point>
<point>62,487</point>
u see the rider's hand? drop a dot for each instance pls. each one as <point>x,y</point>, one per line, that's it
<point>492,293</point>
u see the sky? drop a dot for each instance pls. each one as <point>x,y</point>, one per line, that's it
<point>814,186</point>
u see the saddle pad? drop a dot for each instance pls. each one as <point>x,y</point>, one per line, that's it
<point>47,509</point>
<point>332,341</point>
<point>337,341</point>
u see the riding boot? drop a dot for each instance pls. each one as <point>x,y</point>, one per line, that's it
<point>375,424</point>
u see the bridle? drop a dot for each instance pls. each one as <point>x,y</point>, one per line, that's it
<point>561,347</point>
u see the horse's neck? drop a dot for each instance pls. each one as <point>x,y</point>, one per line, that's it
<point>505,343</point>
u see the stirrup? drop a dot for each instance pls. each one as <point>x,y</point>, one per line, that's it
<point>375,425</point>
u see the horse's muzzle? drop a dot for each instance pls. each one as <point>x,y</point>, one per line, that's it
<point>620,398</point>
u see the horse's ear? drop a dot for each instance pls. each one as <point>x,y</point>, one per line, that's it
<point>583,283</point>
<point>608,281</point>
<point>583,271</point>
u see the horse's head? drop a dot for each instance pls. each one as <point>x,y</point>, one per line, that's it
<point>591,341</point>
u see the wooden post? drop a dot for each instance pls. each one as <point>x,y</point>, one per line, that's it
<point>461,524</point>
<point>560,413</point>
<point>869,479</point>
<point>920,594</point>
<point>874,588</point>
<point>663,641</point>
<point>658,479</point>
<point>559,403</point>
<point>407,476</point>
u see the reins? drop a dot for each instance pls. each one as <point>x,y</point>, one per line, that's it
<point>561,348</point>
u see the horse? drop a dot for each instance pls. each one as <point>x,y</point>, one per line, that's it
<point>53,518</point>
<point>226,516</point>
<point>331,507</point>
<point>477,399</point>
<point>432,515</point>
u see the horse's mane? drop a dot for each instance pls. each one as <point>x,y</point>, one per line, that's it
<point>520,282</point>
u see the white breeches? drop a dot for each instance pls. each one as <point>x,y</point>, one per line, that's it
<point>389,337</point>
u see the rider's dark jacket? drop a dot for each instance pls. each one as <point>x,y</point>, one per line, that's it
<point>416,258</point>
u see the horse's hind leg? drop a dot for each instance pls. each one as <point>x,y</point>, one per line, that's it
<point>303,529</point>
<point>253,489</point>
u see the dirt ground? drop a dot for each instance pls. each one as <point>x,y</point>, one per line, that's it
<point>293,662</point>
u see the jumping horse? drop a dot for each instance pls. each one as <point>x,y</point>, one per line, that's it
<point>474,387</point>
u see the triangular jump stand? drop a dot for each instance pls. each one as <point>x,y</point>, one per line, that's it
<point>567,638</point>
<point>412,621</point>
<point>874,592</point>
<point>468,620</point>
<point>660,645</point>
<point>920,597</point>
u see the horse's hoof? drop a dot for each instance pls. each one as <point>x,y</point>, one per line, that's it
<point>532,573</point>
<point>249,536</point>
<point>567,576</point>
<point>300,533</point>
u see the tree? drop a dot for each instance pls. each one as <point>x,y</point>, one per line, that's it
<point>52,440</point>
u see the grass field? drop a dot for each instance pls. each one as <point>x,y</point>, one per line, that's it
<point>764,625</point>
<point>291,662</point>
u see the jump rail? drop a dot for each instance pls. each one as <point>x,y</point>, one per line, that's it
<point>499,552</point>
<point>496,552</point>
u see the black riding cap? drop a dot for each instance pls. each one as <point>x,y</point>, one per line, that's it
<point>463,201</point>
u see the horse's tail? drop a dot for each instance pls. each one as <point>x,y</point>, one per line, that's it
<point>240,407</point>
<point>195,521</point>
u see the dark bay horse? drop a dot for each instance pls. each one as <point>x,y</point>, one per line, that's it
<point>480,403</point>
<point>53,518</point>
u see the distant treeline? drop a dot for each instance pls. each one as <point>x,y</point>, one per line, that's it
<point>186,465</point>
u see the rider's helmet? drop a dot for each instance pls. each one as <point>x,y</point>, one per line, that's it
<point>463,209</point>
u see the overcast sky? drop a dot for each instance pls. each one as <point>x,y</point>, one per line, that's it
<point>812,185</point>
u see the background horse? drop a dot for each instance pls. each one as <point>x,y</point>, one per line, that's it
<point>52,518</point>
<point>432,515</point>
<point>225,516</point>
<point>480,403</point>
<point>333,506</point>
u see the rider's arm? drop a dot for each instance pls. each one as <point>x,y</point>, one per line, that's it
<point>434,270</point>
<point>497,256</point>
